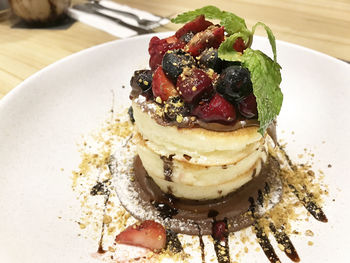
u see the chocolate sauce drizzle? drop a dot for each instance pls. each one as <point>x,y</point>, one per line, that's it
<point>167,209</point>
<point>168,166</point>
<point>282,239</point>
<point>262,238</point>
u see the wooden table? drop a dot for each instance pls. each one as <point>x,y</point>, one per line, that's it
<point>323,25</point>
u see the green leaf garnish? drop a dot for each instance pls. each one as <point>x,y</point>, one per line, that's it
<point>271,37</point>
<point>265,72</point>
<point>266,78</point>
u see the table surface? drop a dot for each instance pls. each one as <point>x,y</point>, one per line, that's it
<point>323,25</point>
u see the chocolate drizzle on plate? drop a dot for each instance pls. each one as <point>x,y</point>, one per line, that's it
<point>217,217</point>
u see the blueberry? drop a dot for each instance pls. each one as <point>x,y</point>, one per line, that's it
<point>141,83</point>
<point>234,83</point>
<point>209,59</point>
<point>174,61</point>
<point>173,107</point>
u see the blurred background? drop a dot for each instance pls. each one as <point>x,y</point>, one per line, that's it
<point>25,48</point>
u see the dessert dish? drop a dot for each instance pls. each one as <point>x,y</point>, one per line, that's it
<point>201,155</point>
<point>199,135</point>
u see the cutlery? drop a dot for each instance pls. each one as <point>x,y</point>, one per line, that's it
<point>141,21</point>
<point>93,10</point>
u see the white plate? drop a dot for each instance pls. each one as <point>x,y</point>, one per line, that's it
<point>42,120</point>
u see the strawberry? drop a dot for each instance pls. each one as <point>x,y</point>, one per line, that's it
<point>211,37</point>
<point>217,109</point>
<point>239,45</point>
<point>161,86</point>
<point>194,84</point>
<point>197,25</point>
<point>157,48</point>
<point>148,234</point>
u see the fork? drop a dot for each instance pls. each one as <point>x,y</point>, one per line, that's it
<point>142,22</point>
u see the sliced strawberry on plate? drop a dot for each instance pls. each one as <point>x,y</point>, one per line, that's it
<point>148,234</point>
<point>157,48</point>
<point>217,109</point>
<point>197,25</point>
<point>213,36</point>
<point>161,86</point>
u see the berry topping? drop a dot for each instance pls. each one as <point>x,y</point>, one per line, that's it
<point>194,84</point>
<point>174,61</point>
<point>141,83</point>
<point>161,86</point>
<point>239,45</point>
<point>219,230</point>
<point>194,26</point>
<point>211,37</point>
<point>186,37</point>
<point>247,106</point>
<point>209,59</point>
<point>217,109</point>
<point>158,47</point>
<point>174,107</point>
<point>148,234</point>
<point>234,83</point>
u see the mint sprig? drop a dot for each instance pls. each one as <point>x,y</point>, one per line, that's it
<point>265,72</point>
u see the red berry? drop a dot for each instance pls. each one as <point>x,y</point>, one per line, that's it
<point>247,107</point>
<point>239,45</point>
<point>211,37</point>
<point>148,234</point>
<point>161,86</point>
<point>217,109</point>
<point>158,47</point>
<point>193,84</point>
<point>194,26</point>
<point>219,230</point>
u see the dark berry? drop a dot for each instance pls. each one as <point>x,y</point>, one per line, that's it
<point>247,106</point>
<point>197,25</point>
<point>194,84</point>
<point>234,83</point>
<point>216,110</point>
<point>141,83</point>
<point>174,107</point>
<point>219,230</point>
<point>213,36</point>
<point>209,59</point>
<point>174,61</point>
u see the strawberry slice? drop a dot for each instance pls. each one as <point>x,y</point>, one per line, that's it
<point>148,234</point>
<point>211,37</point>
<point>161,86</point>
<point>216,110</point>
<point>157,48</point>
<point>239,45</point>
<point>194,84</point>
<point>197,25</point>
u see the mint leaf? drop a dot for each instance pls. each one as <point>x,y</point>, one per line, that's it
<point>266,78</point>
<point>270,36</point>
<point>226,51</point>
<point>209,11</point>
<point>232,23</point>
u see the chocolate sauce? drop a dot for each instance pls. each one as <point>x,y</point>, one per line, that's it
<point>221,240</point>
<point>283,239</point>
<point>173,242</point>
<point>261,236</point>
<point>201,243</point>
<point>314,209</point>
<point>233,207</point>
<point>168,167</point>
